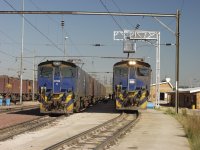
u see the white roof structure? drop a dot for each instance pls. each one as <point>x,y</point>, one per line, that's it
<point>189,90</point>
<point>164,83</point>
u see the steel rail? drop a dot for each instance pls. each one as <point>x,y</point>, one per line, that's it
<point>73,141</point>
<point>108,142</point>
<point>9,132</point>
<point>75,138</point>
<point>14,109</point>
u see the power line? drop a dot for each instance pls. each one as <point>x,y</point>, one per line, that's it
<point>70,39</point>
<point>111,15</point>
<point>121,11</point>
<point>12,41</point>
<point>74,45</point>
<point>38,8</point>
<point>5,53</point>
<point>182,4</point>
<point>36,28</point>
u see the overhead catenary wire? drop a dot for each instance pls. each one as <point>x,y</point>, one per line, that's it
<point>13,41</point>
<point>64,30</point>
<point>116,5</point>
<point>182,4</point>
<point>33,26</point>
<point>10,38</point>
<point>7,54</point>
<point>111,15</point>
<point>55,21</point>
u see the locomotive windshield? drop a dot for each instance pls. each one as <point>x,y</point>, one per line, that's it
<point>132,72</point>
<point>68,72</point>
<point>121,71</point>
<point>46,71</point>
<point>57,71</point>
<point>142,71</point>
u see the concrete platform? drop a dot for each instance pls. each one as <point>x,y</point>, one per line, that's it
<point>154,131</point>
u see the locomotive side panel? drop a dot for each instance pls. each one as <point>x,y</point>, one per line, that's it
<point>99,90</point>
<point>95,87</point>
<point>81,93</point>
<point>89,82</point>
<point>103,91</point>
<point>80,89</point>
<point>89,89</point>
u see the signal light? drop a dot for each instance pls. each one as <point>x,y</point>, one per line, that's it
<point>62,23</point>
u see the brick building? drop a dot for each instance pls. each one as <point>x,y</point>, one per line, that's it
<point>165,88</point>
<point>188,97</point>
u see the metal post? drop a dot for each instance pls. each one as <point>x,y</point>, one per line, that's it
<point>65,48</point>
<point>177,61</point>
<point>65,54</point>
<point>33,95</point>
<point>22,49</point>
<point>63,41</point>
<point>158,70</point>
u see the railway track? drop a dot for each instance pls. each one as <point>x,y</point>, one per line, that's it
<point>99,137</point>
<point>14,109</point>
<point>11,131</point>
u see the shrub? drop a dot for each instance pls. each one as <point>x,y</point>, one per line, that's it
<point>191,124</point>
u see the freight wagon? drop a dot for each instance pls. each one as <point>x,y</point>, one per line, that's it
<point>65,88</point>
<point>10,86</point>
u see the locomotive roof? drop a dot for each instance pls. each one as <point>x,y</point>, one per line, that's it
<point>137,61</point>
<point>51,62</point>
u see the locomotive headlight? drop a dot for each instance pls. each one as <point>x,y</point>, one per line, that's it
<point>56,63</point>
<point>131,63</point>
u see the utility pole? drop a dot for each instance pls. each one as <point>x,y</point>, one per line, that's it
<point>22,50</point>
<point>63,40</point>
<point>177,60</point>
<point>33,95</point>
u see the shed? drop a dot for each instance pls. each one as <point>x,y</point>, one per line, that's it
<point>188,97</point>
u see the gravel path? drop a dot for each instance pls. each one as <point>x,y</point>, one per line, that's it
<point>15,118</point>
<point>62,129</point>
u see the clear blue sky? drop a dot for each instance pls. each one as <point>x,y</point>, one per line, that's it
<point>45,35</point>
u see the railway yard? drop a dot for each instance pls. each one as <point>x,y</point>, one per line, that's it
<point>98,127</point>
<point>114,78</point>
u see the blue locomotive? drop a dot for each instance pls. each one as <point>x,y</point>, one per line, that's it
<point>131,84</point>
<point>65,88</point>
